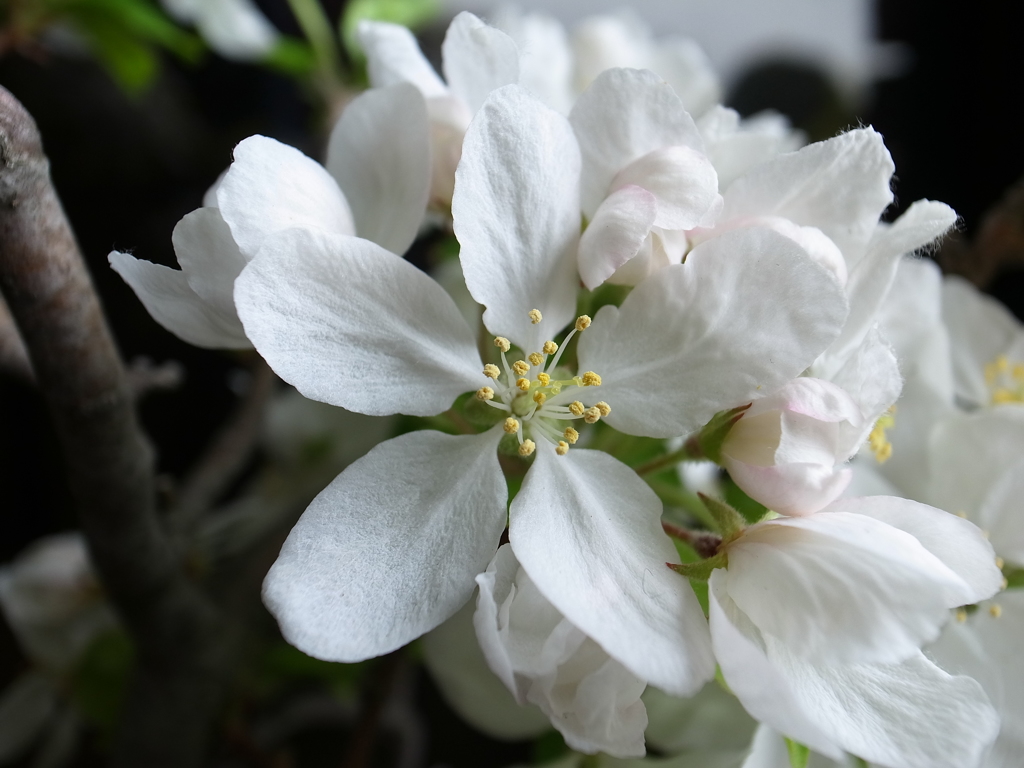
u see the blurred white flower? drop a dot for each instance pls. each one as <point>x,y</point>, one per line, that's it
<point>236,29</point>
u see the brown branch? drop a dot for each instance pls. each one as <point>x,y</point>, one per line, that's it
<point>177,685</point>
<point>13,355</point>
<point>380,682</point>
<point>999,243</point>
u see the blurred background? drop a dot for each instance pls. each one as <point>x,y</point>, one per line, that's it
<point>139,117</point>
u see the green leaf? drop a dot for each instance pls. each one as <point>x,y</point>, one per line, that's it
<point>1014,578</point>
<point>98,681</point>
<point>701,569</point>
<point>712,435</point>
<point>291,57</point>
<point>548,747</point>
<point>728,520</point>
<point>798,753</point>
<point>408,13</point>
<point>132,64</point>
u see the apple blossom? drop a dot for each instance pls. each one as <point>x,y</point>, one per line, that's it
<point>236,29</point>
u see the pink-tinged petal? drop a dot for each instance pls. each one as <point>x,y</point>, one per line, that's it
<point>819,399</point>
<point>588,531</point>
<point>622,116</point>
<point>271,187</point>
<point>379,153</point>
<point>349,324</point>
<point>516,215</point>
<point>390,548</point>
<point>478,59</point>
<point>616,234</point>
<point>394,56</point>
<point>682,179</point>
<point>789,489</point>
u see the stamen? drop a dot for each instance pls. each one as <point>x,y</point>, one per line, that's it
<point>562,448</point>
<point>544,379</point>
<point>523,385</point>
<point>603,407</point>
<point>995,610</point>
<point>582,322</point>
<point>535,358</point>
<point>549,348</point>
<point>535,316</point>
<point>571,435</point>
<point>491,371</point>
<point>961,615</point>
<point>592,415</point>
<point>521,367</point>
<point>591,379</point>
<point>527,447</point>
<point>511,426</point>
<point>878,441</point>
<point>485,393</point>
<point>502,343</point>
<point>1000,563</point>
<point>539,398</point>
<point>576,408</point>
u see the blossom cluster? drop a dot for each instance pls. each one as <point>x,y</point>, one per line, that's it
<point>750,308</point>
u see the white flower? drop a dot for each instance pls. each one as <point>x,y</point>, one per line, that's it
<point>785,448</point>
<point>236,29</point>
<point>817,622</point>
<point>391,548</point>
<point>477,59</point>
<point>544,659</point>
<point>644,177</point>
<point>735,145</point>
<point>375,185</point>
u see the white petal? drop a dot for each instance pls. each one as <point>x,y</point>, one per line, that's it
<point>349,324</point>
<point>1000,514</point>
<point>712,720</point>
<point>394,56</point>
<point>236,29</point>
<point>209,258</point>
<point>622,116</point>
<point>171,302</point>
<point>841,587</point>
<point>761,688</point>
<point>840,186</point>
<point>911,714</point>
<point>687,69</point>
<point>453,657</point>
<point>683,180</point>
<point>661,355</point>
<point>958,543</point>
<point>389,549</point>
<point>477,59</point>
<point>545,61</point>
<point>789,489</point>
<point>588,531</point>
<point>516,215</point>
<point>616,234</point>
<point>379,153</point>
<point>271,187</point>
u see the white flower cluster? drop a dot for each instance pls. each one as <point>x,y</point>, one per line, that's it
<point>760,319</point>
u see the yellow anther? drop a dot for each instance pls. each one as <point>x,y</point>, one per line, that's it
<point>592,415</point>
<point>1003,395</point>
<point>1002,364</point>
<point>549,348</point>
<point>502,343</point>
<point>990,373</point>
<point>511,426</point>
<point>544,379</point>
<point>527,447</point>
<point>576,408</point>
<point>535,316</point>
<point>521,367</point>
<point>878,441</point>
<point>523,385</point>
<point>961,514</point>
<point>995,610</point>
<point>1004,584</point>
<point>571,435</point>
<point>1018,372</point>
<point>985,532</point>
<point>1000,563</point>
<point>539,398</point>
<point>491,371</point>
<point>535,358</point>
<point>562,448</point>
<point>485,393</point>
<point>603,407</point>
<point>582,322</point>
<point>591,379</point>
<point>961,615</point>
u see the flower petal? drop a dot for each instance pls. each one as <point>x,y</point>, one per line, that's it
<point>379,153</point>
<point>958,543</point>
<point>209,258</point>
<point>789,489</point>
<point>394,56</point>
<point>616,234</point>
<point>171,302</point>
<point>588,531</point>
<point>1000,514</point>
<point>662,355</point>
<point>842,587</point>
<point>683,180</point>
<point>840,186</point>
<point>349,324</point>
<point>623,115</point>
<point>516,215</point>
<point>477,59</point>
<point>390,548</point>
<point>271,187</point>
<point>237,29</point>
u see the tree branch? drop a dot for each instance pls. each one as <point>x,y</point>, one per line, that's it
<point>178,682</point>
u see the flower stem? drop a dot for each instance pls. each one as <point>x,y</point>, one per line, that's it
<point>318,31</point>
<point>690,451</point>
<point>685,500</point>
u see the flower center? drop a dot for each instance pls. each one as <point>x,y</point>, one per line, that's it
<point>877,440</point>
<point>1005,381</point>
<point>539,405</point>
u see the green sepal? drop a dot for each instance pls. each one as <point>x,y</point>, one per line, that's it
<point>701,569</point>
<point>713,434</point>
<point>798,753</point>
<point>730,522</point>
<point>1014,577</point>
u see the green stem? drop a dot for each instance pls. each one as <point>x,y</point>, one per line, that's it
<point>690,451</point>
<point>685,500</point>
<point>318,31</point>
